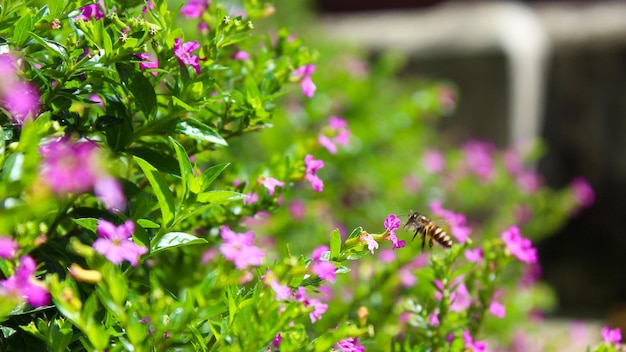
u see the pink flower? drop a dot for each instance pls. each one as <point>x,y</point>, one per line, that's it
<point>303,74</point>
<point>90,11</point>
<point>319,308</point>
<point>407,278</point>
<point>478,158</point>
<point>115,242</point>
<point>21,100</point>
<point>471,345</point>
<point>528,181</point>
<point>412,184</point>
<point>8,247</point>
<point>434,161</point>
<point>311,167</point>
<point>519,246</point>
<point>239,248</point>
<point>109,191</point>
<point>325,270</point>
<point>336,132</point>
<point>276,341</point>
<point>252,198</point>
<point>371,242</point>
<point>271,183</point>
<point>611,336</point>
<point>583,192</point>
<point>497,309</point>
<point>392,223</point>
<point>319,251</point>
<point>241,56</point>
<point>433,319</point>
<point>460,298</point>
<point>149,5</point>
<point>183,53</point>
<point>297,209</point>
<point>456,221</point>
<point>349,345</point>
<point>194,8</point>
<point>387,256</point>
<point>148,62</point>
<point>24,285</point>
<point>474,255</point>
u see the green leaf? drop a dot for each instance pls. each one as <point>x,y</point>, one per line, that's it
<point>335,244</point>
<point>198,130</point>
<point>218,197</point>
<point>182,104</point>
<point>140,87</point>
<point>162,192</point>
<point>22,29</point>
<point>356,232</point>
<point>53,47</point>
<point>175,239</point>
<point>119,132</point>
<point>200,184</point>
<point>148,224</point>
<point>90,224</point>
<point>161,161</point>
<point>186,170</point>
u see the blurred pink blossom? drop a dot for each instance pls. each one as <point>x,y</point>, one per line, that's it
<point>519,246</point>
<point>583,192</point>
<point>434,162</point>
<point>8,247</point>
<point>194,8</point>
<point>479,158</point>
<point>303,74</point>
<point>115,242</point>
<point>23,284</point>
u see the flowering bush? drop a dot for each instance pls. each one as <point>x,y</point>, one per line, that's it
<point>140,212</point>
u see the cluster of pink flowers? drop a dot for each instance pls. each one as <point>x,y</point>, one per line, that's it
<point>527,180</point>
<point>583,192</point>
<point>239,248</point>
<point>183,52</point>
<point>91,11</point>
<point>311,167</point>
<point>336,132</point>
<point>194,8</point>
<point>19,98</point>
<point>479,158</point>
<point>284,293</point>
<point>24,285</point>
<point>303,75</point>
<point>392,223</point>
<point>322,268</point>
<point>612,336</point>
<point>76,167</point>
<point>148,61</point>
<point>471,345</point>
<point>349,345</point>
<point>434,161</point>
<point>271,184</point>
<point>115,242</point>
<point>456,221</point>
<point>520,247</point>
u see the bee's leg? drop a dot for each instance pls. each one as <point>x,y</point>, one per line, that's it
<point>416,231</point>
<point>423,240</point>
<point>430,243</point>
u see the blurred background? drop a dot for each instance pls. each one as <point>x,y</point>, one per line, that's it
<point>553,70</point>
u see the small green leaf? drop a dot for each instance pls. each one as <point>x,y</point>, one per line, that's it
<point>162,192</point>
<point>175,239</point>
<point>161,161</point>
<point>356,232</point>
<point>182,104</point>
<point>335,244</point>
<point>357,255</point>
<point>217,197</point>
<point>22,28</point>
<point>148,224</point>
<point>140,87</point>
<point>90,224</point>
<point>186,170</point>
<point>200,184</point>
<point>198,130</point>
<point>53,47</point>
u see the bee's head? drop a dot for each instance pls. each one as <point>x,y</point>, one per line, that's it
<point>412,221</point>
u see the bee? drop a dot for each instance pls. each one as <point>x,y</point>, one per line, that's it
<point>427,228</point>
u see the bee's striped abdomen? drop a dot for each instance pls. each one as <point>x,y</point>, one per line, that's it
<point>439,235</point>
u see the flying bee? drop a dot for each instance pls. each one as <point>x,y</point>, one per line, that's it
<point>427,228</point>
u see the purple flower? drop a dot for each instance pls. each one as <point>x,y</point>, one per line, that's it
<point>149,4</point>
<point>319,308</point>
<point>109,191</point>
<point>433,319</point>
<point>392,223</point>
<point>528,181</point>
<point>183,53</point>
<point>519,246</point>
<point>90,11</point>
<point>318,251</point>
<point>297,209</point>
<point>611,336</point>
<point>283,292</point>
<point>311,167</point>
<point>194,8</point>
<point>371,242</point>
<point>68,167</point>
<point>271,183</point>
<point>148,62</point>
<point>460,298</point>
<point>303,74</point>
<point>241,55</point>
<point>474,255</point>
<point>21,100</point>
<point>471,345</point>
<point>497,309</point>
<point>24,285</point>
<point>8,247</point>
<point>434,161</point>
<point>239,249</point>
<point>252,198</point>
<point>336,132</point>
<point>350,344</point>
<point>325,270</point>
<point>407,278</point>
<point>115,242</point>
<point>276,341</point>
<point>478,158</point>
<point>583,192</point>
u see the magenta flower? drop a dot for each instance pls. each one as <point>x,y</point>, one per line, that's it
<point>239,249</point>
<point>478,158</point>
<point>109,191</point>
<point>471,345</point>
<point>474,255</point>
<point>115,242</point>
<point>611,336</point>
<point>349,345</point>
<point>276,341</point>
<point>519,246</point>
<point>303,74</point>
<point>371,242</point>
<point>311,167</point>
<point>433,319</point>
<point>497,309</point>
<point>392,223</point>
<point>319,308</point>
<point>149,5</point>
<point>90,11</point>
<point>512,162</point>
<point>528,181</point>
<point>271,183</point>
<point>252,198</point>
<point>283,292</point>
<point>241,55</point>
<point>319,251</point>
<point>21,100</point>
<point>297,209</point>
<point>194,8</point>
<point>407,278</point>
<point>336,132</point>
<point>325,270</point>
<point>583,192</point>
<point>183,53</point>
<point>8,247</point>
<point>460,298</point>
<point>148,61</point>
<point>433,161</point>
<point>24,285</point>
